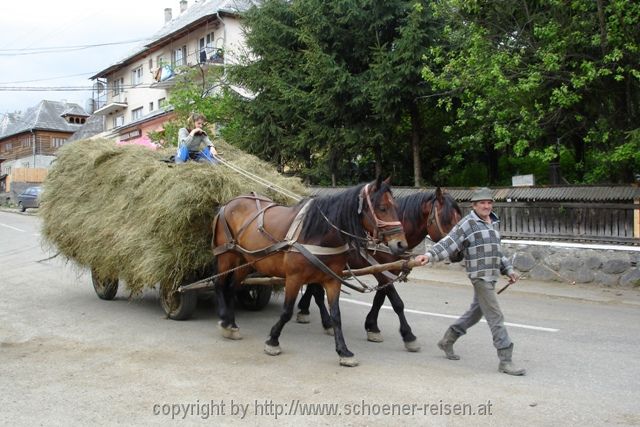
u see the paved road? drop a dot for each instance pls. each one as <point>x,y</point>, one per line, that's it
<point>69,358</point>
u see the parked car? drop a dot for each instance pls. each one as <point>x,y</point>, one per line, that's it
<point>29,198</point>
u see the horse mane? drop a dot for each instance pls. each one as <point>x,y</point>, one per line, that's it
<point>341,210</point>
<point>410,207</point>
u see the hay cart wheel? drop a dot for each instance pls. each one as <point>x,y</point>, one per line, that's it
<point>106,289</point>
<point>254,297</point>
<point>178,305</point>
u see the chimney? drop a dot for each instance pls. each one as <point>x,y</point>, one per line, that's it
<point>183,5</point>
<point>167,14</point>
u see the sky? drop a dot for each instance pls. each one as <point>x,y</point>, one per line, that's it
<point>28,26</point>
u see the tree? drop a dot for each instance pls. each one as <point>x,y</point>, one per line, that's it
<point>337,85</point>
<point>542,79</point>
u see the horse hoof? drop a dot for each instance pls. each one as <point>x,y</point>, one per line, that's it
<point>328,331</point>
<point>229,332</point>
<point>349,361</point>
<point>374,336</point>
<point>303,318</point>
<point>412,346</point>
<point>272,350</point>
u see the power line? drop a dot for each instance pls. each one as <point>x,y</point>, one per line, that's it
<point>59,49</point>
<point>48,78</point>
<point>63,88</point>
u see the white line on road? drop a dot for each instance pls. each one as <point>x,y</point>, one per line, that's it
<point>13,228</point>
<point>448,316</point>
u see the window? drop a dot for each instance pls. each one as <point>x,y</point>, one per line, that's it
<point>207,47</point>
<point>136,76</point>
<point>180,56</point>
<point>118,121</point>
<point>26,142</point>
<point>58,142</point>
<point>118,86</point>
<point>162,102</point>
<point>151,64</point>
<point>151,106</point>
<point>8,146</point>
<point>136,114</point>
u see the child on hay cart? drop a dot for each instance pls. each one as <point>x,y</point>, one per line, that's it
<point>194,143</point>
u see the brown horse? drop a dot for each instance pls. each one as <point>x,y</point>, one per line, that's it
<point>422,214</point>
<point>247,227</point>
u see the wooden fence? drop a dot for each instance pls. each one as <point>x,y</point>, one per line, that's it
<point>614,223</point>
<point>26,175</point>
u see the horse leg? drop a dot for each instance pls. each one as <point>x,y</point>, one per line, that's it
<point>371,322</point>
<point>226,303</point>
<point>226,310</point>
<point>304,303</point>
<point>272,345</point>
<point>333,295</point>
<point>318,295</point>
<point>410,340</point>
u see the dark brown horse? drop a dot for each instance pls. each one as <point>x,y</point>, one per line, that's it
<point>422,214</point>
<point>247,226</point>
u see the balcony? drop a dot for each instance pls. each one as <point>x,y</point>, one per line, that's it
<point>115,103</point>
<point>164,77</point>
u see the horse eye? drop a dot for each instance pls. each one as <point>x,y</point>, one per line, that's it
<point>382,208</point>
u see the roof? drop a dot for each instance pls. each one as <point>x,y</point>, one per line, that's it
<point>196,13</point>
<point>93,126</point>
<point>47,115</point>
<point>581,193</point>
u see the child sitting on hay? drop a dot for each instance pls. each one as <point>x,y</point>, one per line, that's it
<point>194,143</point>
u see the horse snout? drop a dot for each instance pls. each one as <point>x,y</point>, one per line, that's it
<point>398,246</point>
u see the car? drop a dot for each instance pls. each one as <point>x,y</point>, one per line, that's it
<point>29,198</point>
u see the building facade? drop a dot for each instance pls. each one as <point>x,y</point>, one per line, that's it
<point>135,91</point>
<point>31,140</point>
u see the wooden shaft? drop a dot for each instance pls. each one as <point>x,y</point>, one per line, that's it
<point>396,265</point>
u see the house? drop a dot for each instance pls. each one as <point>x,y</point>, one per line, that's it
<point>31,139</point>
<point>207,33</point>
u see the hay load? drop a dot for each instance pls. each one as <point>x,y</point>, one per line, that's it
<point>126,214</point>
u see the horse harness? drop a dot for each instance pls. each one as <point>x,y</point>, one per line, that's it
<point>289,243</point>
<point>435,218</point>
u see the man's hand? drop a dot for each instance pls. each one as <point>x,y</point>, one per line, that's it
<point>513,278</point>
<point>422,259</point>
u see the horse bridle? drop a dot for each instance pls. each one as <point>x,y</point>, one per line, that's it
<point>434,217</point>
<point>382,228</point>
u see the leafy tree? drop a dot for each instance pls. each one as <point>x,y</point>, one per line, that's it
<point>541,78</point>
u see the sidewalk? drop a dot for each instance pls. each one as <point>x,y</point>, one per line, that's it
<point>30,211</point>
<point>595,293</point>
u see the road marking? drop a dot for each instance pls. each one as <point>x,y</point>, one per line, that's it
<point>13,228</point>
<point>449,316</point>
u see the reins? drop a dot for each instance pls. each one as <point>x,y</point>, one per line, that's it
<point>259,180</point>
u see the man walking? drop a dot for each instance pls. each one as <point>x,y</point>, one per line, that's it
<point>476,237</point>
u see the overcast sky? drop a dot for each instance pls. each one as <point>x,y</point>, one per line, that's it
<point>26,25</point>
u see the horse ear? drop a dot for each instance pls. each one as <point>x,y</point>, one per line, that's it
<point>378,183</point>
<point>388,180</point>
<point>439,195</point>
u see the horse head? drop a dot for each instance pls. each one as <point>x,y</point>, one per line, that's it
<point>380,215</point>
<point>442,214</point>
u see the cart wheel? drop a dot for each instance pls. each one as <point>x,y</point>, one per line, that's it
<point>106,289</point>
<point>254,297</point>
<point>178,305</point>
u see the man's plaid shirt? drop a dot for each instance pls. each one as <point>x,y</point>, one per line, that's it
<point>479,242</point>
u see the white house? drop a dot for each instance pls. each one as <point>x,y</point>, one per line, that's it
<point>135,90</point>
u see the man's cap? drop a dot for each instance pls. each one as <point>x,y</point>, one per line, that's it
<point>483,193</point>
